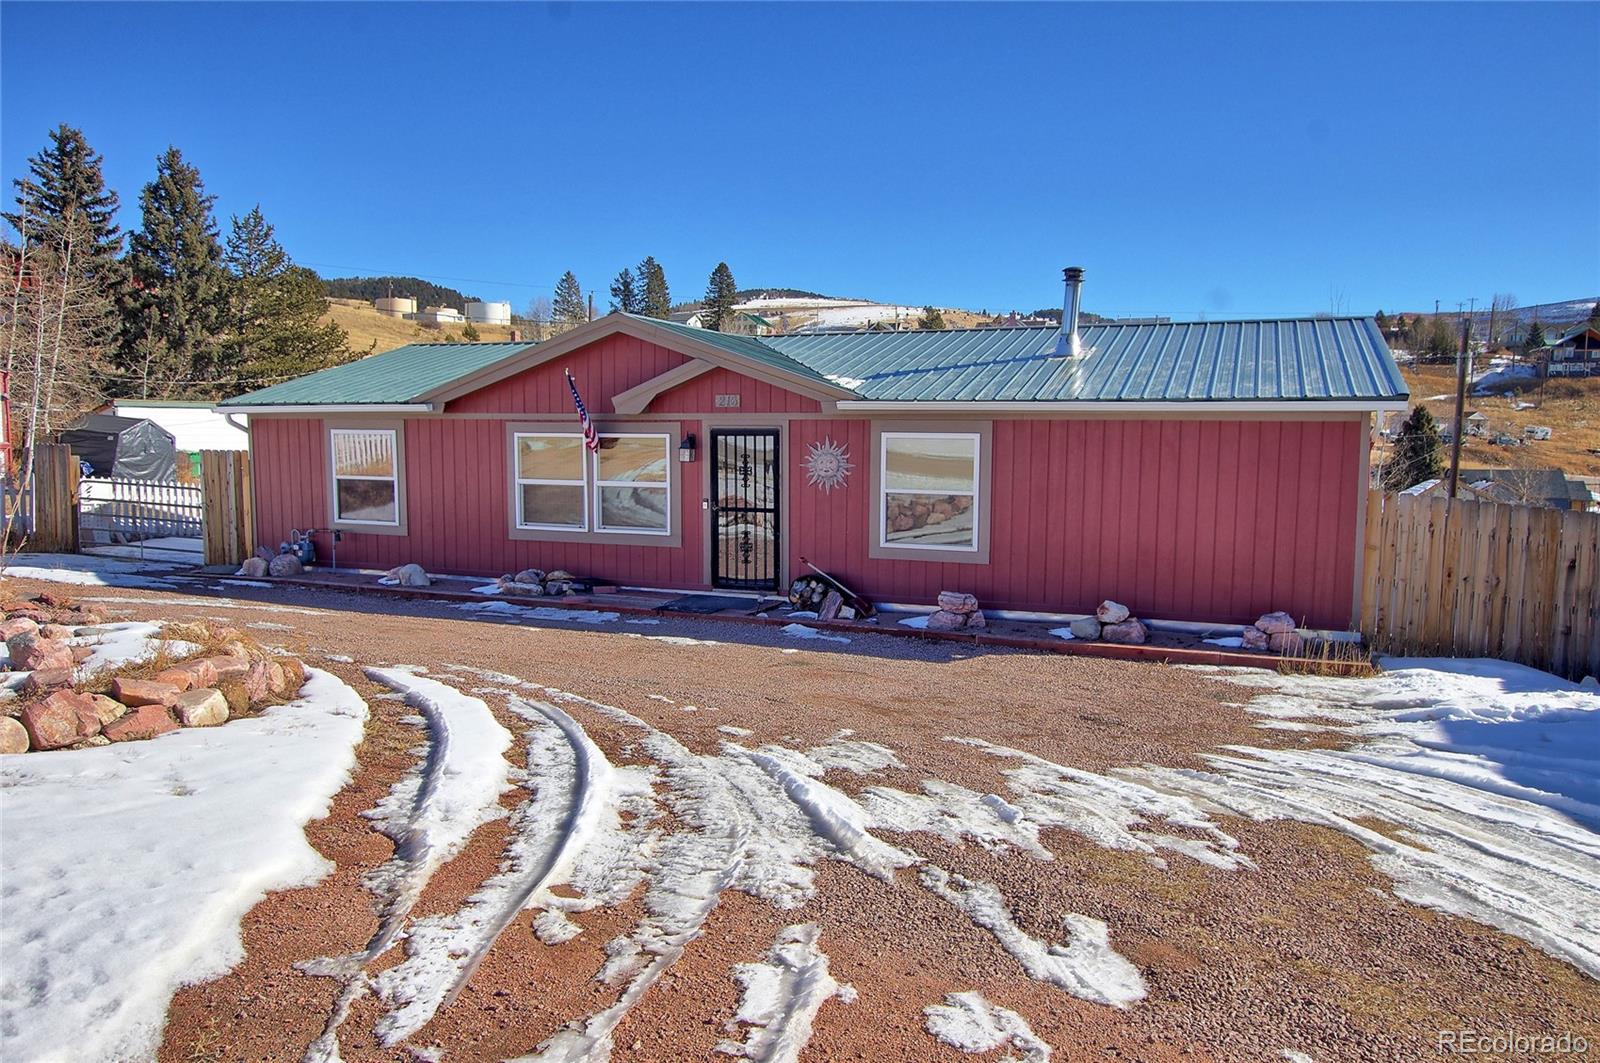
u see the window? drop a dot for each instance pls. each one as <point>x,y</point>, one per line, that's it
<point>632,489</point>
<point>549,481</point>
<point>929,489</point>
<point>365,483</point>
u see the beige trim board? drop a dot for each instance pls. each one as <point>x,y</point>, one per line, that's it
<point>637,399</point>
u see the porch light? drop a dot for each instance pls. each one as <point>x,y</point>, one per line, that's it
<point>686,448</point>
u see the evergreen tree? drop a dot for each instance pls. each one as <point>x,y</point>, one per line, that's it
<point>1416,453</point>
<point>175,311</point>
<point>717,312</point>
<point>1535,337</point>
<point>932,318</point>
<point>624,297</point>
<point>274,325</point>
<point>654,299</point>
<point>568,306</point>
<point>64,200</point>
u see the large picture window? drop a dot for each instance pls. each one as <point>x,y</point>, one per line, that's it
<point>365,476</point>
<point>550,488</point>
<point>632,486</point>
<point>929,491</point>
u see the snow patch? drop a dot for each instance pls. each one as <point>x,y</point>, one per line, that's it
<point>95,944</point>
<point>969,1023</point>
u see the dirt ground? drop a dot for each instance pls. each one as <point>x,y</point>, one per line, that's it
<point>1309,951</point>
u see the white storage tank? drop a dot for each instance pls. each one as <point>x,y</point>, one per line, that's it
<point>395,306</point>
<point>489,313</point>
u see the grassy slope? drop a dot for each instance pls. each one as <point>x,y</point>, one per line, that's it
<point>372,332</point>
<point>1571,408</point>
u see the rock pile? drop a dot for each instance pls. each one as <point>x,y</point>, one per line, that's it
<point>1275,632</point>
<point>231,678</point>
<point>1111,622</point>
<point>957,612</point>
<point>535,582</point>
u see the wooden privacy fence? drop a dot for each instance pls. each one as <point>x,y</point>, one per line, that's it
<point>1456,578</point>
<point>229,525</point>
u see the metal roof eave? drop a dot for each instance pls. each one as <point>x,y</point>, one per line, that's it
<point>331,407</point>
<point>1395,405</point>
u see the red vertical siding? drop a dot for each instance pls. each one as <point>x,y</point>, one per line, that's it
<point>1183,520</point>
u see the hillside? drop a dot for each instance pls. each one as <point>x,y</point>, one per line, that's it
<point>1570,408</point>
<point>373,333</point>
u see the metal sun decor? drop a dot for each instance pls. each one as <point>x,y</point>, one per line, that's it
<point>827,464</point>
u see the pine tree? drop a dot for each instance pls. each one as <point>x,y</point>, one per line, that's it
<point>1535,336</point>
<point>274,325</point>
<point>654,300</point>
<point>624,297</point>
<point>717,313</point>
<point>1416,453</point>
<point>175,311</point>
<point>932,318</point>
<point>568,307</point>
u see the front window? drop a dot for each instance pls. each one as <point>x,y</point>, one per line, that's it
<point>631,485</point>
<point>550,483</point>
<point>929,491</point>
<point>365,484</point>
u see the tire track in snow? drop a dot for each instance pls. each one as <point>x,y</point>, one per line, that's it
<point>430,813</point>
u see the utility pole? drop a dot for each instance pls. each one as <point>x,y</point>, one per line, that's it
<point>1461,402</point>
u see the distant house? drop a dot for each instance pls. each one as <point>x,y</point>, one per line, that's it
<point>1576,352</point>
<point>1208,470</point>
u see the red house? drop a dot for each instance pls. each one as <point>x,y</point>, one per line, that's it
<point>1195,471</point>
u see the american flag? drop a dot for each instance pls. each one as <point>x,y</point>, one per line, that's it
<point>590,438</point>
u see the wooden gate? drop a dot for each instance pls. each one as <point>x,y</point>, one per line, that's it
<point>1482,579</point>
<point>229,526</point>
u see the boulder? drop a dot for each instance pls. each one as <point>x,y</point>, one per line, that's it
<point>1276,623</point>
<point>253,568</point>
<point>228,666</point>
<point>13,736</point>
<point>147,721</point>
<point>1130,632</point>
<point>43,679</point>
<point>1254,639</point>
<point>18,625</point>
<point>30,652</point>
<point>202,673</point>
<point>956,602</point>
<point>285,565</point>
<point>136,692</point>
<point>1288,642</point>
<point>201,707</point>
<point>1087,629</point>
<point>57,631</point>
<point>409,576</point>
<point>529,576</point>
<point>257,683</point>
<point>60,720</point>
<point>946,621</point>
<point>108,709</point>
<point>179,677</point>
<point>1111,612</point>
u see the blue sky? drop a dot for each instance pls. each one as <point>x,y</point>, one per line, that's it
<point>1207,158</point>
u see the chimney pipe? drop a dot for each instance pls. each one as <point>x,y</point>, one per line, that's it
<point>1068,345</point>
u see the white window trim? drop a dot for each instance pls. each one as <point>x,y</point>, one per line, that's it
<point>665,484</point>
<point>393,478</point>
<point>884,490</point>
<point>582,483</point>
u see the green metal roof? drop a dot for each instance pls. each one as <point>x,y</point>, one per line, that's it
<point>1292,359</point>
<point>399,376</point>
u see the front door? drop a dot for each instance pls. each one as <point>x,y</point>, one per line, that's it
<point>744,508</point>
